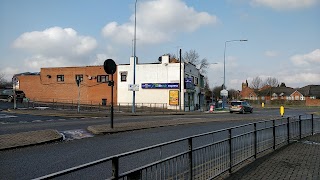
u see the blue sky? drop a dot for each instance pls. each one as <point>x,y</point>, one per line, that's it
<point>283,36</point>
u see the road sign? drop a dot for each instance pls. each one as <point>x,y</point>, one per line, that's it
<point>109,66</point>
<point>133,87</point>
<point>224,92</point>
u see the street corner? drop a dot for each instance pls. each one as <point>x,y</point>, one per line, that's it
<point>8,141</point>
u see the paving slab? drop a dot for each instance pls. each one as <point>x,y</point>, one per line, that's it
<point>299,160</point>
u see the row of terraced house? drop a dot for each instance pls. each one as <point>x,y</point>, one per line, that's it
<point>308,95</point>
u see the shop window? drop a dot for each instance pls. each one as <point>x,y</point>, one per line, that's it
<point>60,78</point>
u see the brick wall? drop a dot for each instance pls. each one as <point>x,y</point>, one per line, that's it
<point>312,102</point>
<point>45,87</point>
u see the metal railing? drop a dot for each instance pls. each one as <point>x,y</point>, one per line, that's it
<point>65,104</point>
<point>202,156</point>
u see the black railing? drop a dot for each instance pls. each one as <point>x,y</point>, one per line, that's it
<point>202,156</point>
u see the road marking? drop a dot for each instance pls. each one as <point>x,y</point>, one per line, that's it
<point>23,122</point>
<point>76,134</point>
<point>2,116</point>
<point>37,121</point>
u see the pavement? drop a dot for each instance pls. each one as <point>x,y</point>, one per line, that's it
<point>296,161</point>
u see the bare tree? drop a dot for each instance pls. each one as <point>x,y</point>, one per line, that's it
<point>3,82</point>
<point>192,56</point>
<point>233,94</point>
<point>256,83</point>
<point>271,81</point>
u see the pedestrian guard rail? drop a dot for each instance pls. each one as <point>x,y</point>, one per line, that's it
<point>203,156</point>
<point>94,106</point>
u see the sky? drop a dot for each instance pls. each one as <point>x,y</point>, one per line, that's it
<point>283,36</point>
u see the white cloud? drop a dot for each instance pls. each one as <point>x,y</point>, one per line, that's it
<point>55,41</point>
<point>9,72</point>
<point>271,53</point>
<point>36,62</point>
<point>158,21</point>
<point>284,4</point>
<point>310,59</point>
<point>302,79</point>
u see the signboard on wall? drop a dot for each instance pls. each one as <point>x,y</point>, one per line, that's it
<point>174,97</point>
<point>160,85</point>
<point>133,87</point>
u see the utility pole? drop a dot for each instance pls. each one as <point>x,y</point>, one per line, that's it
<point>180,84</point>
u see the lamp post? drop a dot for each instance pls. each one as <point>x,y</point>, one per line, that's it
<point>224,68</point>
<point>134,59</point>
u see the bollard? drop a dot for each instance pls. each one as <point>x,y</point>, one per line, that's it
<point>281,111</point>
<point>262,105</point>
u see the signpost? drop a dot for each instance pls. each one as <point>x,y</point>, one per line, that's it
<point>78,81</point>
<point>224,94</point>
<point>110,67</point>
<point>15,82</point>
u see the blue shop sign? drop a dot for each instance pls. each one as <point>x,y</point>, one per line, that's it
<point>160,85</point>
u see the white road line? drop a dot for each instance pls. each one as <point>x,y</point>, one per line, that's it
<point>37,121</point>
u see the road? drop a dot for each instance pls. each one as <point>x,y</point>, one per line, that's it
<point>34,161</point>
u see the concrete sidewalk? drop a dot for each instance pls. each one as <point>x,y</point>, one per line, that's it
<point>297,161</point>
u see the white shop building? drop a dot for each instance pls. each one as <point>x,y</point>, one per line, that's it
<point>160,83</point>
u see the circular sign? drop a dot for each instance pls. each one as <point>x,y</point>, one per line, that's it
<point>224,92</point>
<point>109,66</point>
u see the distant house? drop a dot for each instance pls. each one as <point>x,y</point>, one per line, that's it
<point>247,92</point>
<point>310,94</point>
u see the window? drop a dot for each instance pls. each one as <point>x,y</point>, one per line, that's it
<point>123,76</point>
<point>60,78</point>
<point>196,81</point>
<point>79,77</point>
<point>102,78</point>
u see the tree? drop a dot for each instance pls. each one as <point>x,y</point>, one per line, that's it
<point>3,82</point>
<point>192,56</point>
<point>271,81</point>
<point>256,83</point>
<point>283,84</point>
<point>233,94</point>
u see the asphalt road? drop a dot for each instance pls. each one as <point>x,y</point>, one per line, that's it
<point>14,123</point>
<point>34,161</point>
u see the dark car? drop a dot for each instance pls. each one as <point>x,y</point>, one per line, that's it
<point>8,94</point>
<point>240,106</point>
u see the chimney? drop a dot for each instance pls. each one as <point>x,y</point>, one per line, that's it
<point>165,59</point>
<point>132,60</point>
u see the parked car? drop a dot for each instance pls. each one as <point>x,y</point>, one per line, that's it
<point>240,106</point>
<point>8,94</point>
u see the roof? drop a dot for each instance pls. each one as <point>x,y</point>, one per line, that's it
<point>310,90</point>
<point>280,91</point>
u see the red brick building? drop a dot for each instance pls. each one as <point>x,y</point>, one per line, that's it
<point>59,85</point>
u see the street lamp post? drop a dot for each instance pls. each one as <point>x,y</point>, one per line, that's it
<point>134,59</point>
<point>224,68</point>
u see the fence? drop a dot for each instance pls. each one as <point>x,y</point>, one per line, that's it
<point>202,156</point>
<point>65,104</point>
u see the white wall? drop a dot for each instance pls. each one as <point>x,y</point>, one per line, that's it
<point>163,72</point>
